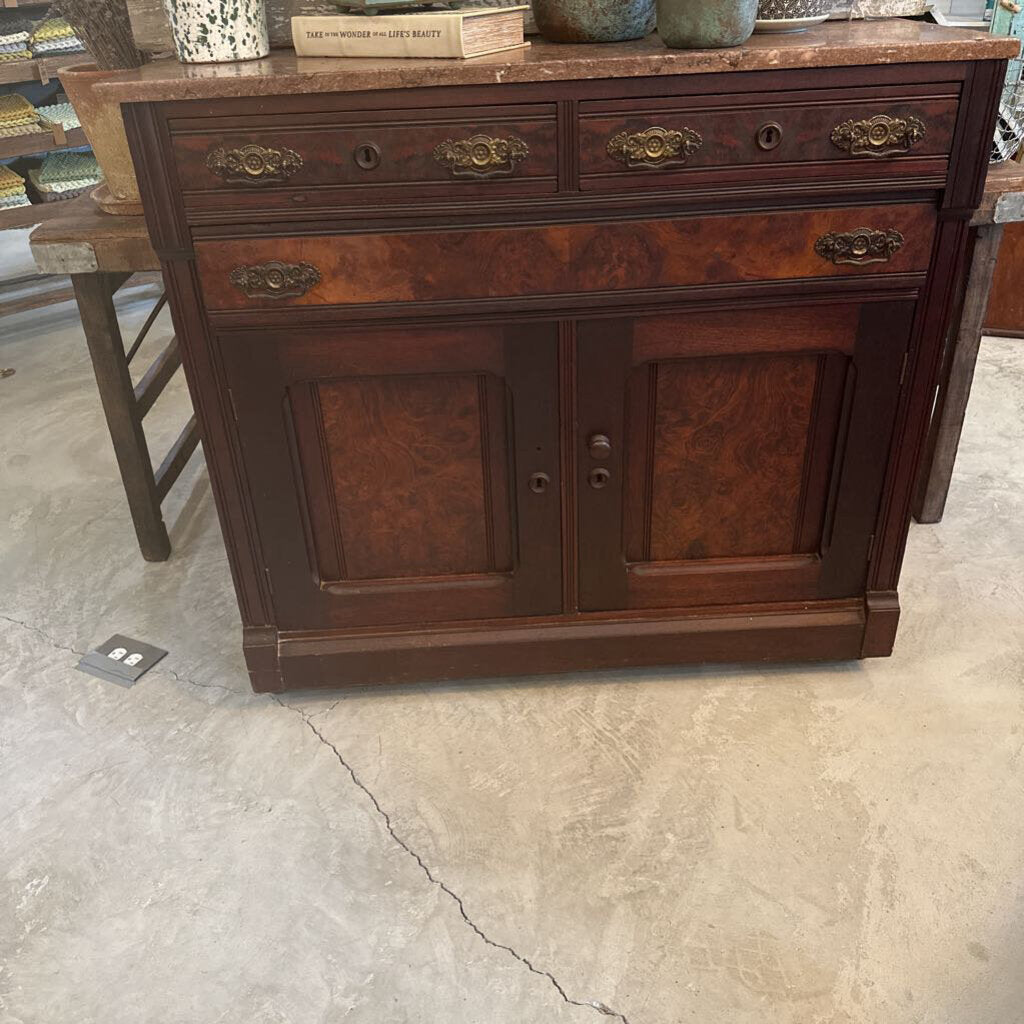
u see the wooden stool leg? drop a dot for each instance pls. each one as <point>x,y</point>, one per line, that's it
<point>937,471</point>
<point>95,296</point>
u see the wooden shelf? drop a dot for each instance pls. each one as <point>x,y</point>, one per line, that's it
<point>42,70</point>
<point>26,216</point>
<point>40,142</point>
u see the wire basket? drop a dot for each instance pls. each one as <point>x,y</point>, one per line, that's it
<point>1009,124</point>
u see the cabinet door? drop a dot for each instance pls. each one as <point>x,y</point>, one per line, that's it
<point>402,475</point>
<point>733,457</point>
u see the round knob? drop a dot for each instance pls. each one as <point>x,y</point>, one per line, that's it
<point>538,483</point>
<point>599,446</point>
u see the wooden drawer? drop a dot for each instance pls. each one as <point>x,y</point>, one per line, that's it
<point>572,259</point>
<point>644,143</point>
<point>422,153</point>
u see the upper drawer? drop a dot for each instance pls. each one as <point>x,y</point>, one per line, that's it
<point>413,153</point>
<point>733,139</point>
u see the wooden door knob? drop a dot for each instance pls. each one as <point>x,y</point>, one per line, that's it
<point>599,446</point>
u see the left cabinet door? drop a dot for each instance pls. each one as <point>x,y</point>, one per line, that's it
<point>401,475</point>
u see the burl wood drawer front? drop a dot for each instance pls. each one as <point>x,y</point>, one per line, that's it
<point>737,138</point>
<point>570,259</point>
<point>511,149</point>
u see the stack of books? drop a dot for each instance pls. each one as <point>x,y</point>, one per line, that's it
<point>469,32</point>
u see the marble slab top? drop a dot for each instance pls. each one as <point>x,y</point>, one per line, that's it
<point>833,44</point>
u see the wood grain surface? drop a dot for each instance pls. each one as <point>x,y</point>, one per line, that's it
<point>616,256</point>
<point>730,442</point>
<point>408,464</point>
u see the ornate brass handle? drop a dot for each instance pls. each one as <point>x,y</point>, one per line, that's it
<point>654,147</point>
<point>881,135</point>
<point>275,280</point>
<point>860,246</point>
<point>254,165</point>
<point>481,156</point>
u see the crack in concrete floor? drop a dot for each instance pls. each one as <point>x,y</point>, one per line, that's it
<point>596,1005</point>
<point>600,1007</point>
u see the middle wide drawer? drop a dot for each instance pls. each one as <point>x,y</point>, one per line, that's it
<point>564,259</point>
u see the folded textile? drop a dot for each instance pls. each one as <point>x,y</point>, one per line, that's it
<point>15,31</point>
<point>13,46</point>
<point>11,201</point>
<point>15,105</point>
<point>16,55</point>
<point>62,166</point>
<point>71,185</point>
<point>52,28</point>
<point>9,177</point>
<point>63,197</point>
<point>58,47</point>
<point>9,130</point>
<point>62,113</point>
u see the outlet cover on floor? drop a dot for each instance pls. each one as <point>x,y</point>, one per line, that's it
<point>121,660</point>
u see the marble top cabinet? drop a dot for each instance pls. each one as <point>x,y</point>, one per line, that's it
<point>585,365</point>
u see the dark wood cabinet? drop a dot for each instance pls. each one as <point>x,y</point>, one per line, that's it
<point>409,475</point>
<point>743,460</point>
<point>509,379</point>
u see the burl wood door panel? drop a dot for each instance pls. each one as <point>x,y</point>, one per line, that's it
<point>396,473</point>
<point>747,452</point>
<point>426,266</point>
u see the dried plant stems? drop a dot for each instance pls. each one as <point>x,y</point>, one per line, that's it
<point>104,27</point>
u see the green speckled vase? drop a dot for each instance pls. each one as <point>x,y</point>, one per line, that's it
<point>705,24</point>
<point>593,21</point>
<point>216,31</point>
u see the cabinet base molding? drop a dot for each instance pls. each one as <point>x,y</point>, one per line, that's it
<point>882,618</point>
<point>822,631</point>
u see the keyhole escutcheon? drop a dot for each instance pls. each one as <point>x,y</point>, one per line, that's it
<point>769,135</point>
<point>367,155</point>
<point>538,483</point>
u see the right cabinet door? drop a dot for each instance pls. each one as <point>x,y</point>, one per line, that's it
<point>733,457</point>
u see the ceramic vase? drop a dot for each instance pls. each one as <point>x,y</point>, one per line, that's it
<point>218,31</point>
<point>791,15</point>
<point>593,21</point>
<point>705,24</point>
<point>104,128</point>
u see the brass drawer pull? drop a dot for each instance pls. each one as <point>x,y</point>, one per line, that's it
<point>275,280</point>
<point>254,165</point>
<point>860,246</point>
<point>481,156</point>
<point>881,135</point>
<point>654,147</point>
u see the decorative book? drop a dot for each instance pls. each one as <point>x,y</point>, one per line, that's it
<point>470,32</point>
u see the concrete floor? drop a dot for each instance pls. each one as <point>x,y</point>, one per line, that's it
<point>839,844</point>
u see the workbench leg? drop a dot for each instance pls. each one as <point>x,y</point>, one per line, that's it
<point>951,406</point>
<point>95,296</point>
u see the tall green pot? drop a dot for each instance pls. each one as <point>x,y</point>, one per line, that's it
<point>705,24</point>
